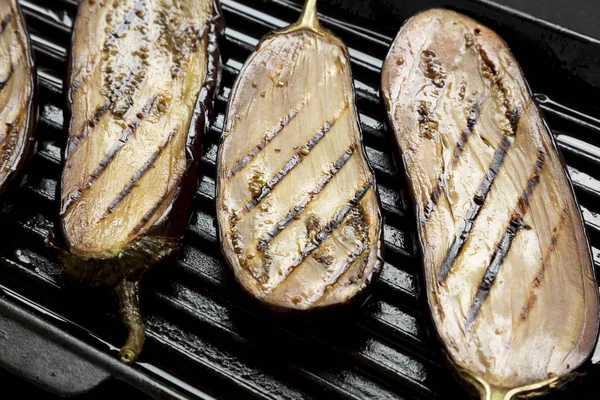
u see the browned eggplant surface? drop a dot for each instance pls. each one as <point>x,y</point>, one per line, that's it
<point>17,92</point>
<point>508,269</point>
<point>297,206</point>
<point>142,77</point>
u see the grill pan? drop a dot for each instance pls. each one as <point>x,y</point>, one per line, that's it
<point>205,339</point>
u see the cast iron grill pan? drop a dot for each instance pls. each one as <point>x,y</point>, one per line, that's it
<point>207,339</point>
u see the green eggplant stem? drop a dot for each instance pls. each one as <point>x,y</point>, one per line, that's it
<point>309,17</point>
<point>127,296</point>
<point>496,394</point>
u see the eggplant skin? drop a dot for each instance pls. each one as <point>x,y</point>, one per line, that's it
<point>143,76</point>
<point>297,207</point>
<point>18,110</point>
<point>508,269</point>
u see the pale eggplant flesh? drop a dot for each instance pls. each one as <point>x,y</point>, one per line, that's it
<point>508,269</point>
<point>143,74</point>
<point>17,94</point>
<point>297,207</point>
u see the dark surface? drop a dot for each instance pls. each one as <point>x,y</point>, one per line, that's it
<point>204,336</point>
<point>581,16</point>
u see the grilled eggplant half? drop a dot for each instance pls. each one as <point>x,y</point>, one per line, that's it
<point>143,75</point>
<point>17,94</point>
<point>297,207</point>
<point>508,269</point>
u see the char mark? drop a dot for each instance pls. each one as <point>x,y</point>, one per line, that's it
<point>136,229</point>
<point>329,228</point>
<point>299,208</point>
<point>503,247</point>
<point>458,150</point>
<point>100,112</point>
<point>122,27</point>
<point>138,175</point>
<point>471,216</point>
<point>292,163</point>
<point>333,280</point>
<point>240,164</point>
<point>539,276</point>
<point>5,21</point>
<point>112,153</point>
<point>6,78</point>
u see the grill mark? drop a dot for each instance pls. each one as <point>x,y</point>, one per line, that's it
<point>240,164</point>
<point>299,208</point>
<point>329,228</point>
<point>138,175</point>
<point>125,135</point>
<point>294,161</point>
<point>136,229</point>
<point>458,150</point>
<point>469,220</point>
<point>73,143</point>
<point>4,80</point>
<point>351,259</point>
<point>503,247</point>
<point>125,23</point>
<point>539,277</point>
<point>5,21</point>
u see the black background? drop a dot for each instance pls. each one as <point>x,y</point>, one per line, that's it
<point>582,16</point>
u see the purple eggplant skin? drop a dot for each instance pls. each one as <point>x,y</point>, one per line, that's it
<point>12,23</point>
<point>509,274</point>
<point>121,268</point>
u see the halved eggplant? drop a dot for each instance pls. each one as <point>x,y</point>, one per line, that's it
<point>17,94</point>
<point>297,207</point>
<point>509,274</point>
<point>143,75</point>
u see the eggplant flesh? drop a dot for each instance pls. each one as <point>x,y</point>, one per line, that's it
<point>17,94</point>
<point>143,74</point>
<point>509,274</point>
<point>297,207</point>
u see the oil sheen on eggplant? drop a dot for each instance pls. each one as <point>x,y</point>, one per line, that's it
<point>297,206</point>
<point>143,75</point>
<point>508,269</point>
<point>17,94</point>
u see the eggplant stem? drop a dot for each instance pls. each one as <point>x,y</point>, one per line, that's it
<point>127,296</point>
<point>309,18</point>
<point>492,393</point>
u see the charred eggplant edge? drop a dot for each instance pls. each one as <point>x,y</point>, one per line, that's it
<point>475,382</point>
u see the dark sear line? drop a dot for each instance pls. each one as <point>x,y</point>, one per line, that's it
<point>138,175</point>
<point>139,6</point>
<point>299,208</point>
<point>329,228</point>
<point>4,79</point>
<point>458,150</point>
<point>539,277</point>
<point>263,143</point>
<point>477,203</point>
<point>100,112</point>
<point>5,21</point>
<point>293,162</point>
<point>503,247</point>
<point>125,135</point>
<point>136,229</point>
<point>351,259</point>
